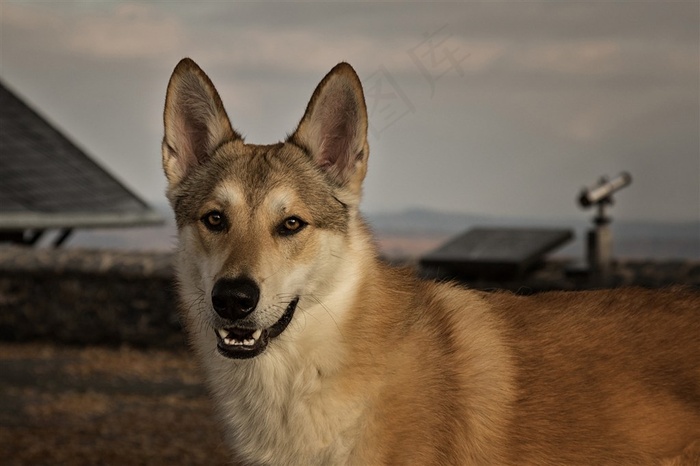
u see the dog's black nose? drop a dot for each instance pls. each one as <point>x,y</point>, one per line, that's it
<point>235,298</point>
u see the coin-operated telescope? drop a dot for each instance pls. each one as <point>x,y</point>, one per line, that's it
<point>599,250</point>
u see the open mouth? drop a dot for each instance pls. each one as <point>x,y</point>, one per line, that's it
<point>245,342</point>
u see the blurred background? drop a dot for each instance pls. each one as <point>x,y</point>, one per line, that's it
<point>484,113</point>
<point>486,122</point>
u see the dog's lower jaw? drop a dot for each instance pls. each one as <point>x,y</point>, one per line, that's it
<point>233,343</point>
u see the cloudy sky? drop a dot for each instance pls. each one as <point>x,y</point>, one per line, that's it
<point>504,108</point>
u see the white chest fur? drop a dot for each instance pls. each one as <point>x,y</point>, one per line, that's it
<point>282,408</point>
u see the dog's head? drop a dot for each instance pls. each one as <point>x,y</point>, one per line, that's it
<point>262,228</point>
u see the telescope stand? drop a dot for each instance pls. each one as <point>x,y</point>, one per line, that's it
<point>600,247</point>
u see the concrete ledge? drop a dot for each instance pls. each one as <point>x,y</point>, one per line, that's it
<point>24,260</point>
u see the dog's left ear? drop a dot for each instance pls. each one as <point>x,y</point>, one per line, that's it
<point>334,128</point>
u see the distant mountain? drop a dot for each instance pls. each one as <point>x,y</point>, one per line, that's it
<point>631,239</point>
<point>422,221</point>
<point>421,227</point>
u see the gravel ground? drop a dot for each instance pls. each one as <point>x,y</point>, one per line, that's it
<point>100,406</point>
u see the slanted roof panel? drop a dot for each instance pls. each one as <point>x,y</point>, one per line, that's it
<point>43,172</point>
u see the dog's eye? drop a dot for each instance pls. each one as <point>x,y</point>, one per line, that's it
<point>214,220</point>
<point>291,226</point>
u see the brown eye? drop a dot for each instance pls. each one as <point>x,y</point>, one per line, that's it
<point>214,220</point>
<point>291,226</point>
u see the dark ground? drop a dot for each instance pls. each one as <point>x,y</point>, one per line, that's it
<point>89,406</point>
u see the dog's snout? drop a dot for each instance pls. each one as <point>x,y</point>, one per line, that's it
<point>235,298</point>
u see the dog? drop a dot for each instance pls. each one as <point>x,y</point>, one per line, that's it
<point>316,352</point>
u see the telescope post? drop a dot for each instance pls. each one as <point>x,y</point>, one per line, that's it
<point>599,247</point>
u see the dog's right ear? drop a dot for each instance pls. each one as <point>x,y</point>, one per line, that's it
<point>195,121</point>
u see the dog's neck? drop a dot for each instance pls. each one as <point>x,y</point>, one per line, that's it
<point>290,401</point>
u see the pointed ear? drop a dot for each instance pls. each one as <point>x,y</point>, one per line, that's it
<point>195,121</point>
<point>334,128</point>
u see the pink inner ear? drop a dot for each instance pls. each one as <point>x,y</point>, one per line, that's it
<point>188,140</point>
<point>197,136</point>
<point>338,131</point>
<point>335,151</point>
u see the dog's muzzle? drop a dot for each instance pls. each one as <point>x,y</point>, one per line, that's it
<point>234,300</point>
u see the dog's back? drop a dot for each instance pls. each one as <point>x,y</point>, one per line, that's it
<point>612,374</point>
<point>605,377</point>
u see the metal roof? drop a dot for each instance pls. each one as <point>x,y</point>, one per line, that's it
<point>495,252</point>
<point>47,182</point>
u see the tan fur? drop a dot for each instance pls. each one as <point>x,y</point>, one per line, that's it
<point>378,367</point>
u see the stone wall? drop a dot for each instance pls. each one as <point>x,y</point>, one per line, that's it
<point>106,297</point>
<point>88,297</point>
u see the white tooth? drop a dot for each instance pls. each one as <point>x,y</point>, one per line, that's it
<point>249,342</point>
<point>222,333</point>
<point>256,334</point>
